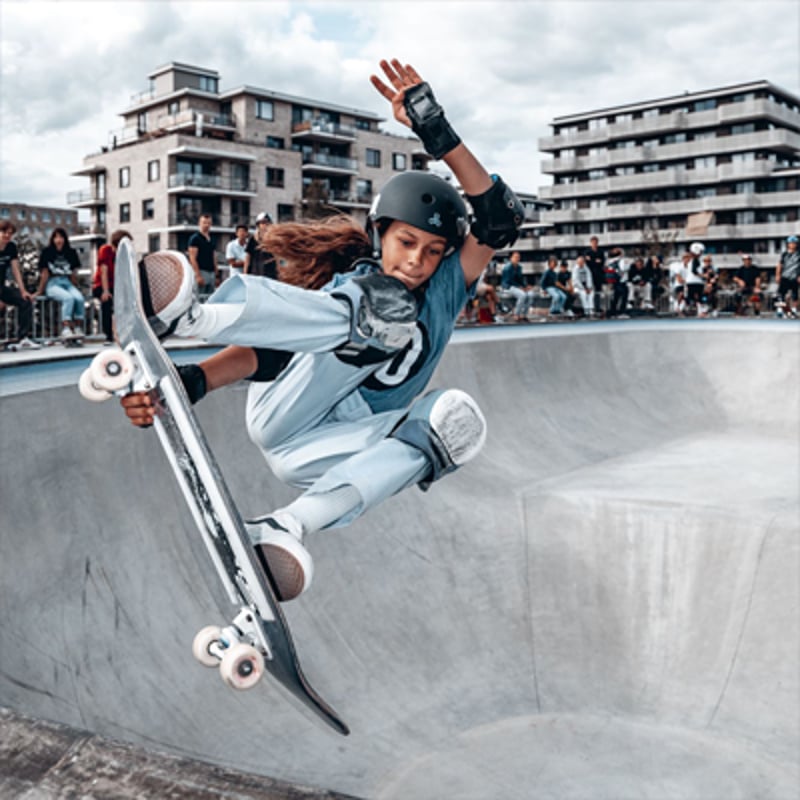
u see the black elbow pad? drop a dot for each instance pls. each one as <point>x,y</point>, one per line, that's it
<point>498,215</point>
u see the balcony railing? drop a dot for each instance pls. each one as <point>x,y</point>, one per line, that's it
<point>324,126</point>
<point>334,162</point>
<point>192,218</point>
<point>218,183</point>
<point>190,117</point>
<point>85,196</point>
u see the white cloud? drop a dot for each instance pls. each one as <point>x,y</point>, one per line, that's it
<point>503,70</point>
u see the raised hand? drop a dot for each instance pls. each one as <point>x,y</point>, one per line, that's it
<point>401,77</point>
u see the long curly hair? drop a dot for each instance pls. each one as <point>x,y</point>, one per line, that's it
<point>310,253</point>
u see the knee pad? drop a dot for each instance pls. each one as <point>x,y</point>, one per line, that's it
<point>447,426</point>
<point>383,318</point>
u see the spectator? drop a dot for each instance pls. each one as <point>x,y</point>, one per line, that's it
<point>787,275</point>
<point>583,283</point>
<point>548,284</point>
<point>654,275</point>
<point>564,284</point>
<point>708,300</point>
<point>236,251</point>
<point>677,277</point>
<point>58,277</point>
<point>513,284</point>
<point>261,261</point>
<point>693,277</point>
<point>639,287</point>
<point>616,288</point>
<point>486,293</point>
<point>596,261</point>
<point>17,295</point>
<point>747,281</point>
<point>103,282</point>
<point>203,257</point>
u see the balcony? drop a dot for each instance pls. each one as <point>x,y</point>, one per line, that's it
<point>325,163</point>
<point>323,130</point>
<point>86,198</point>
<point>192,118</point>
<point>342,197</point>
<point>190,219</point>
<point>210,184</point>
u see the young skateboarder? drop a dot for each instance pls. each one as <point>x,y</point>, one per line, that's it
<point>337,373</point>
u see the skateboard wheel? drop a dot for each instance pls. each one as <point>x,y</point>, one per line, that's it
<point>202,644</point>
<point>111,370</point>
<point>88,389</point>
<point>242,666</point>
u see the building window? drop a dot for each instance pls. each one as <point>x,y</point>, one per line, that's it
<point>285,212</point>
<point>362,125</point>
<point>174,107</point>
<point>705,105</point>
<point>124,177</point>
<point>274,176</point>
<point>265,109</point>
<point>364,190</point>
<point>154,242</point>
<point>398,161</point>
<point>124,212</point>
<point>21,213</point>
<point>208,84</point>
<point>373,157</point>
<point>141,122</point>
<point>153,170</point>
<point>275,142</point>
<point>5,213</point>
<point>148,209</point>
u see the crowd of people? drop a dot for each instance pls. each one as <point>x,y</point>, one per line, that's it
<point>596,284</point>
<point>600,284</point>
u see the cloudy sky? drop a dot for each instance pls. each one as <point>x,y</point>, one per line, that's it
<point>502,69</point>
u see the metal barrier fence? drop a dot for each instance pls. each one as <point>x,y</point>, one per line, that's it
<point>47,321</point>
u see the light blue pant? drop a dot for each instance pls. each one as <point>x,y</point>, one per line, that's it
<point>61,289</point>
<point>314,428</point>
<point>522,300</point>
<point>557,299</point>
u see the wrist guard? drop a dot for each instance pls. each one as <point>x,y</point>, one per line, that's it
<point>428,121</point>
<point>194,381</point>
<point>498,215</point>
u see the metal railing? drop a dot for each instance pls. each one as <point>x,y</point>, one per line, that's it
<point>325,160</point>
<point>217,182</point>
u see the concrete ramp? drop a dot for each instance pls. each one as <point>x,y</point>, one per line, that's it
<point>605,604</point>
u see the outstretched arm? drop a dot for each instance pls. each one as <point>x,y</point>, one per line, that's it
<point>408,91</point>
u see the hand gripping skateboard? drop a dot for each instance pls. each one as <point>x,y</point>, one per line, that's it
<point>257,638</point>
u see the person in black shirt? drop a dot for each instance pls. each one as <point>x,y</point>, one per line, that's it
<point>596,261</point>
<point>203,257</point>
<point>17,295</point>
<point>748,287</point>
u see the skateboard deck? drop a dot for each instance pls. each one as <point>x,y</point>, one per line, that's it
<point>258,627</point>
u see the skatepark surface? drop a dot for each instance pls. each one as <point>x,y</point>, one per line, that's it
<point>604,604</point>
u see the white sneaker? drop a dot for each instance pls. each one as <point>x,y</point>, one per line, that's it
<point>168,284</point>
<point>66,332</point>
<point>278,542</point>
<point>28,344</point>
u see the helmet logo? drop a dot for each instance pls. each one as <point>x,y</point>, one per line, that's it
<point>435,220</point>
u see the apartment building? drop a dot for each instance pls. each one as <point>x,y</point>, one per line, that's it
<point>721,166</point>
<point>186,147</point>
<point>38,222</point>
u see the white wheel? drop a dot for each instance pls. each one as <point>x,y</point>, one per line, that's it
<point>111,370</point>
<point>202,643</point>
<point>242,666</point>
<point>88,390</point>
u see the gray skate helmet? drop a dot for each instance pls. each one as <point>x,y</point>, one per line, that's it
<point>423,200</point>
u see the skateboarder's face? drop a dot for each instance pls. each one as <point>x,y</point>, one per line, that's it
<point>410,254</point>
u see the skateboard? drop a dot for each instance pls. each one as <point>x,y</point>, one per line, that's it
<point>73,340</point>
<point>257,638</point>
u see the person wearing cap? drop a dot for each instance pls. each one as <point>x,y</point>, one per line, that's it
<point>748,287</point>
<point>259,260</point>
<point>787,274</point>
